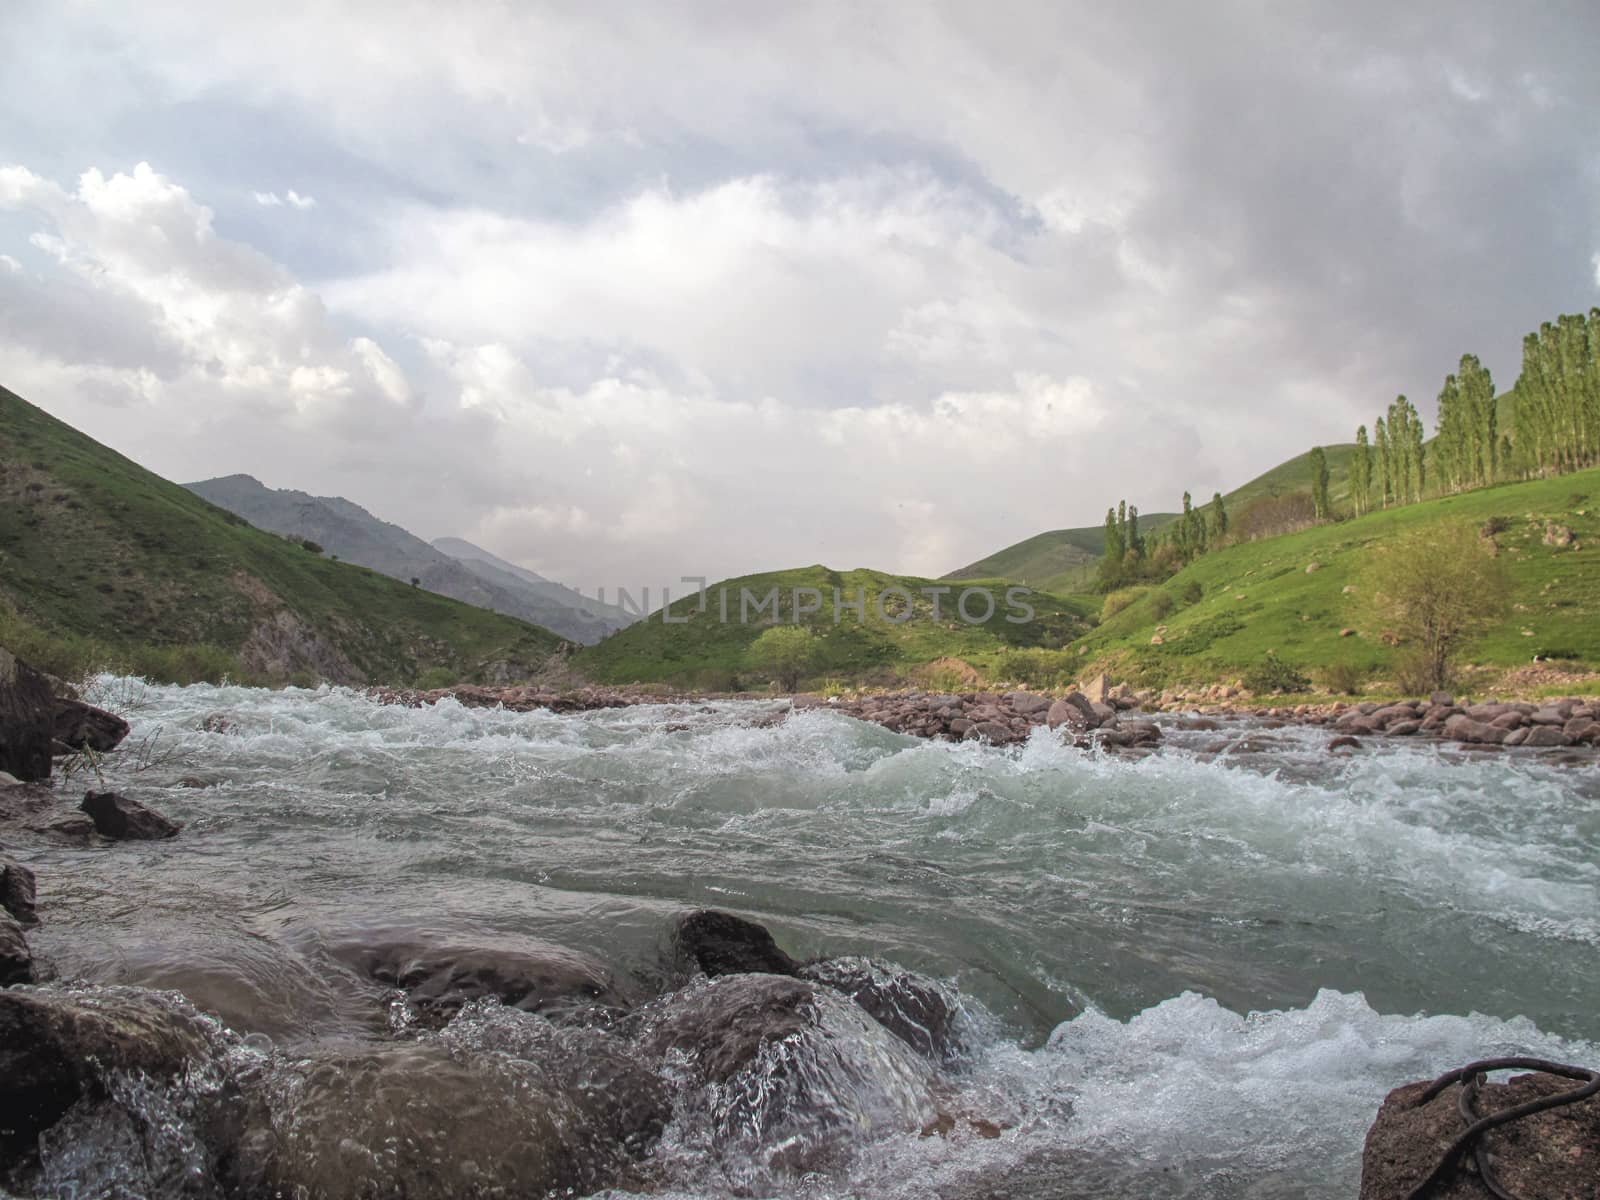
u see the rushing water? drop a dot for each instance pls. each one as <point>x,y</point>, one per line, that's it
<point>1197,971</point>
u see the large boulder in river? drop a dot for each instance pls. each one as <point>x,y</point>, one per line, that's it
<point>440,972</point>
<point>121,819</point>
<point>60,1046</point>
<point>783,1073</point>
<point>720,943</point>
<point>1553,1153</point>
<point>80,726</point>
<point>27,708</point>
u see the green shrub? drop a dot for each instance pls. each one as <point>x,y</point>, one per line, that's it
<point>437,677</point>
<point>1190,593</point>
<point>1494,525</point>
<point>1161,605</point>
<point>1039,669</point>
<point>1117,601</point>
<point>1272,675</point>
<point>1344,679</point>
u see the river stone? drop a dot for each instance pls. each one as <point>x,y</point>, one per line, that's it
<point>720,943</point>
<point>1544,736</point>
<point>17,894</point>
<point>81,726</point>
<point>440,973</point>
<point>1553,1153</point>
<point>439,1119</point>
<point>1466,729</point>
<point>121,819</point>
<point>1026,704</point>
<point>59,1046</point>
<point>916,1010</point>
<point>16,960</point>
<point>27,705</point>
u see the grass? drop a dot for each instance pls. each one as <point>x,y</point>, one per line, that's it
<point>1066,561</point>
<point>103,563</point>
<point>1258,598</point>
<point>708,653</point>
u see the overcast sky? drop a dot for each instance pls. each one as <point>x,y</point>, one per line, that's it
<point>708,288</point>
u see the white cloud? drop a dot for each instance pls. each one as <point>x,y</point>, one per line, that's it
<point>291,197</point>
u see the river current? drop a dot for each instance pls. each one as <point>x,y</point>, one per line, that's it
<point>1196,972</point>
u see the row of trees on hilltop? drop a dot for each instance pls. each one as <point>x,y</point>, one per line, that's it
<point>1391,468</point>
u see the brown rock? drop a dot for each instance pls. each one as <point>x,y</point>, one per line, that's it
<point>1516,737</point>
<point>17,891</point>
<point>1464,729</point>
<point>16,961</point>
<point>720,943</point>
<point>1344,742</point>
<point>121,819</point>
<point>1544,736</point>
<point>1098,689</point>
<point>1347,632</point>
<point>1026,704</point>
<point>27,708</point>
<point>1549,1154</point>
<point>1403,728</point>
<point>81,726</point>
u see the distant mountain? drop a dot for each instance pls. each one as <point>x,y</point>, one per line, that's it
<point>354,535</point>
<point>106,565</point>
<point>493,569</point>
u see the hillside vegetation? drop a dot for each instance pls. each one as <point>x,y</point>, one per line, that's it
<point>103,563</point>
<point>709,653</point>
<point>1066,561</point>
<point>1226,611</point>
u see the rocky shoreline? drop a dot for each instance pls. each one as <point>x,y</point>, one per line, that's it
<point>1107,717</point>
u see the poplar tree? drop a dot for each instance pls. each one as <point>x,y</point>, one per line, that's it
<point>1319,482</point>
<point>1385,467</point>
<point>1361,472</point>
<point>1219,520</point>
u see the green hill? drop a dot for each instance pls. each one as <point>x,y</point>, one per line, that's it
<point>103,563</point>
<point>1258,596</point>
<point>1066,560</point>
<point>709,652</point>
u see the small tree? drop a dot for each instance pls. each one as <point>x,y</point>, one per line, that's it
<point>787,652</point>
<point>1437,587</point>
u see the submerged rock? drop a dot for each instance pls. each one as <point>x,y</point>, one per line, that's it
<point>1553,1153</point>
<point>782,1074</point>
<point>447,1117</point>
<point>80,726</point>
<point>441,973</point>
<point>720,943</point>
<point>60,1047</point>
<point>117,817</point>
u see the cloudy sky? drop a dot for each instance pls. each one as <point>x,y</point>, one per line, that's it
<point>630,293</point>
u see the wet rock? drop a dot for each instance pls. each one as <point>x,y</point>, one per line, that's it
<point>121,819</point>
<point>27,706</point>
<point>441,973</point>
<point>720,943</point>
<point>17,891</point>
<point>1516,737</point>
<point>1403,728</point>
<point>16,961</point>
<point>916,1010</point>
<point>81,726</point>
<point>1552,1153</point>
<point>454,1115</point>
<point>1441,700</point>
<point>1344,742</point>
<point>1026,704</point>
<point>783,1073</point>
<point>59,1046</point>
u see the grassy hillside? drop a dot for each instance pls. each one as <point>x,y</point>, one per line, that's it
<point>1258,596</point>
<point>710,653</point>
<point>1066,560</point>
<point>105,563</point>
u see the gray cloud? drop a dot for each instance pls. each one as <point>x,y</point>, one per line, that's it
<point>732,289</point>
